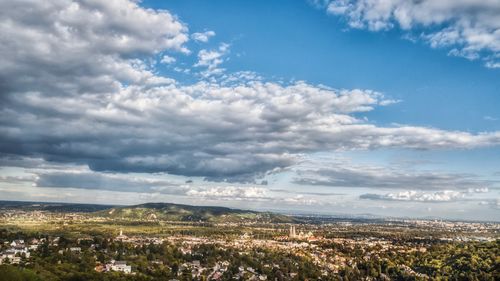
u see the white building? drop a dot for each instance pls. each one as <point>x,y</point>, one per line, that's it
<point>15,243</point>
<point>120,266</point>
<point>75,249</point>
<point>292,234</point>
<point>11,256</point>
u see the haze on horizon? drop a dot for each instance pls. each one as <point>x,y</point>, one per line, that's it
<point>389,108</point>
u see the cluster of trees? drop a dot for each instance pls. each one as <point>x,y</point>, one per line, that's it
<point>475,261</point>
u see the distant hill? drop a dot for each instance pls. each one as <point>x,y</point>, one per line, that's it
<point>179,212</point>
<point>53,207</point>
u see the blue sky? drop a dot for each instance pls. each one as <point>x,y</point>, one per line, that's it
<point>390,108</point>
<point>293,40</point>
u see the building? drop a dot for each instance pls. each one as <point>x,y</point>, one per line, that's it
<point>120,266</point>
<point>121,236</point>
<point>21,249</point>
<point>15,243</point>
<point>293,233</point>
<point>10,255</point>
<point>75,249</point>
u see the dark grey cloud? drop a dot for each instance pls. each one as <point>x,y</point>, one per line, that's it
<point>80,87</point>
<point>100,181</point>
<point>346,174</point>
<point>78,178</point>
<point>7,160</point>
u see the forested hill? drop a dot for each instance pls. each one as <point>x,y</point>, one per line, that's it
<point>179,212</point>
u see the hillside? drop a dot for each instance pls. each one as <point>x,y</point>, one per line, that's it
<point>179,212</point>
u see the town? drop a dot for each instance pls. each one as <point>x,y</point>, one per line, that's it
<point>63,245</point>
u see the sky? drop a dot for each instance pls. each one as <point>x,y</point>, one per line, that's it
<point>352,107</point>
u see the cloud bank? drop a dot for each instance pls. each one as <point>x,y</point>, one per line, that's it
<point>346,174</point>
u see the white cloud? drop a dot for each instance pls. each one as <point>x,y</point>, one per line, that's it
<point>69,47</point>
<point>166,59</point>
<point>245,193</point>
<point>388,102</point>
<point>425,196</point>
<point>471,29</point>
<point>211,59</point>
<point>202,36</point>
<point>230,193</point>
<point>492,64</point>
<point>300,200</point>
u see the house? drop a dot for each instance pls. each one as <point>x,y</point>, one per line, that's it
<point>55,241</point>
<point>21,249</point>
<point>216,276</point>
<point>11,256</point>
<point>34,241</point>
<point>18,242</point>
<point>99,268</point>
<point>120,266</point>
<point>75,249</point>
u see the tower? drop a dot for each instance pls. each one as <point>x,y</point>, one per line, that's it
<point>292,231</point>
